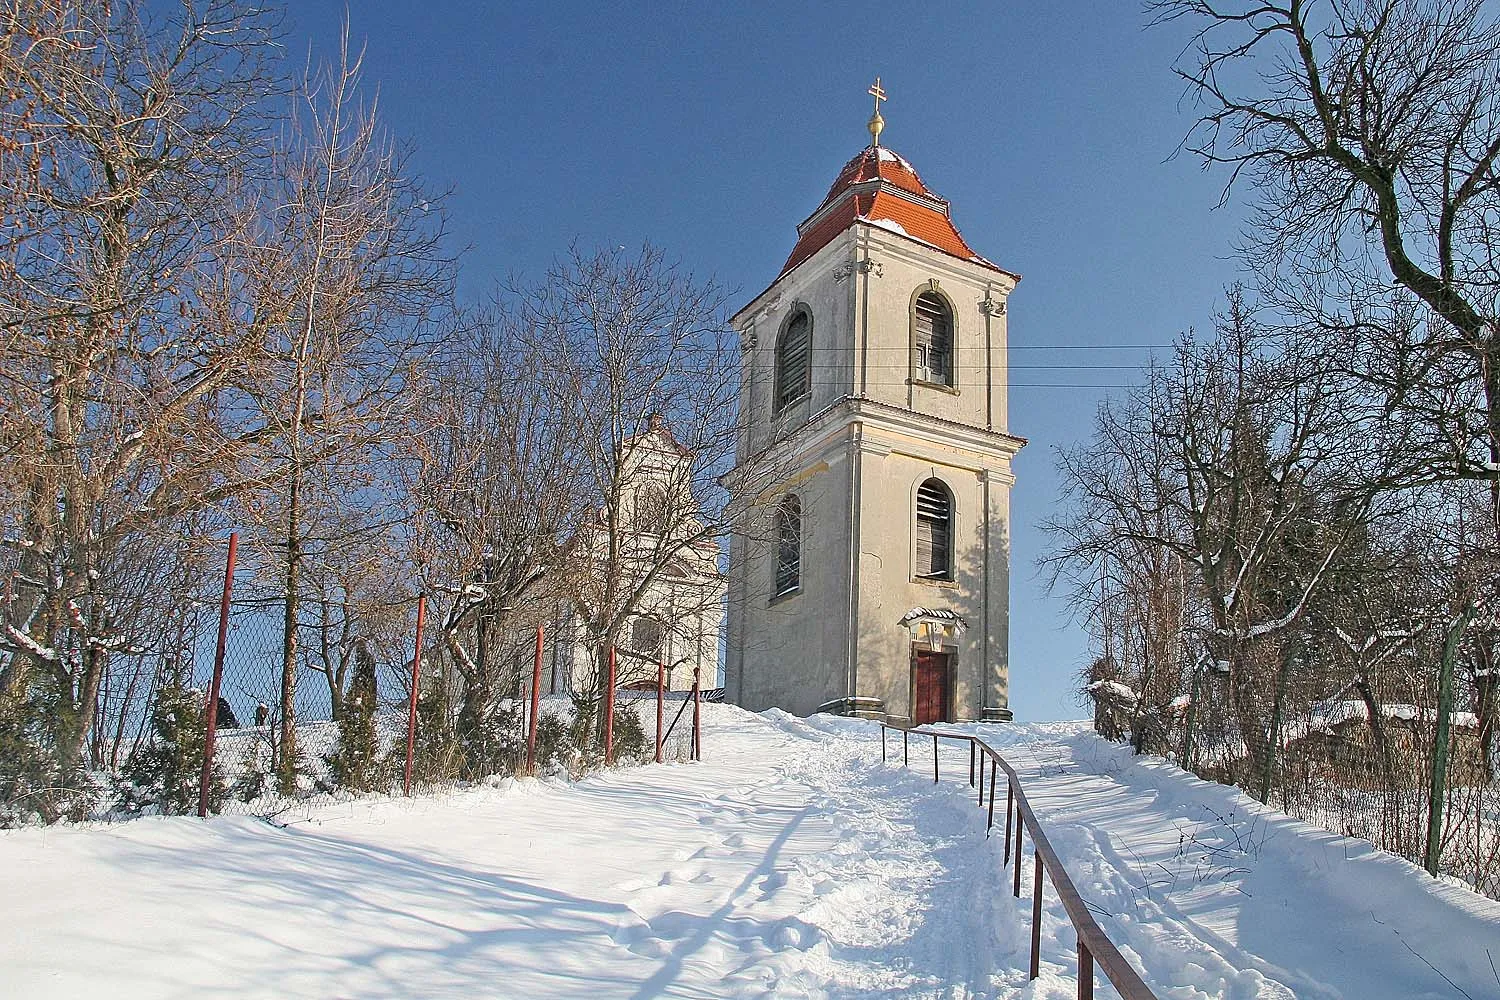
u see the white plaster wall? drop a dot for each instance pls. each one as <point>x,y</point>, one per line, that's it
<point>795,652</point>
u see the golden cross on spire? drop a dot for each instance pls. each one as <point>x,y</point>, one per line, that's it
<point>877,123</point>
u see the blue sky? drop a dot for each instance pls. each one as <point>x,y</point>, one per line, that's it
<point>712,130</point>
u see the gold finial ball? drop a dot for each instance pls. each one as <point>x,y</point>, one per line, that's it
<point>877,123</point>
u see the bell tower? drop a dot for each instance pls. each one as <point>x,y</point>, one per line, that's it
<point>871,575</point>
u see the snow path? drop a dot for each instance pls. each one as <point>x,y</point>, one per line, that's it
<point>787,864</point>
<point>1211,894</point>
<point>790,864</point>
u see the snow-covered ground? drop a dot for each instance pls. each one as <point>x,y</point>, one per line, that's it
<point>790,863</point>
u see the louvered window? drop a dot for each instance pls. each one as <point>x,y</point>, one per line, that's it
<point>933,336</point>
<point>934,531</point>
<point>788,544</point>
<point>794,360</point>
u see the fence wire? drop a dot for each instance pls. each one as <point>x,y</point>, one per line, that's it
<point>329,714</point>
<point>1338,765</point>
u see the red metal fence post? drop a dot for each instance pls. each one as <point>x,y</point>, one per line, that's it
<point>536,705</point>
<point>661,689</point>
<point>609,710</point>
<point>211,730</point>
<point>416,677</point>
<point>697,714</point>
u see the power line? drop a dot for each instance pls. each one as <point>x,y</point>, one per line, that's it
<point>830,366</point>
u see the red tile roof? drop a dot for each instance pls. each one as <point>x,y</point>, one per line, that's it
<point>881,188</point>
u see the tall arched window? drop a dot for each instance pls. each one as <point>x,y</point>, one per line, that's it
<point>645,636</point>
<point>934,531</point>
<point>794,359</point>
<point>788,544</point>
<point>932,339</point>
<point>651,510</point>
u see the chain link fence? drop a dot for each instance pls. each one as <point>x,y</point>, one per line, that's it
<point>229,716</point>
<point>1361,768</point>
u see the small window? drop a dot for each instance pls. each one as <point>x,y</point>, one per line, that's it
<point>932,338</point>
<point>645,636</point>
<point>788,545</point>
<point>934,531</point>
<point>794,360</point>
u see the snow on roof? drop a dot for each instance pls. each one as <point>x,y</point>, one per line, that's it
<point>1112,689</point>
<point>940,614</point>
<point>1326,715</point>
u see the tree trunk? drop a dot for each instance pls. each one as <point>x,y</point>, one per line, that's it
<point>286,759</point>
<point>1389,824</point>
<point>1273,738</point>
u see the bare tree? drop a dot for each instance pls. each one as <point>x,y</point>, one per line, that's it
<point>1370,131</point>
<point>644,348</point>
<point>493,497</point>
<point>350,262</point>
<point>1239,468</point>
<point>120,415</point>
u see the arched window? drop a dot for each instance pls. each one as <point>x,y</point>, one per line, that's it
<point>794,359</point>
<point>651,510</point>
<point>645,636</point>
<point>932,339</point>
<point>934,531</point>
<point>788,544</point>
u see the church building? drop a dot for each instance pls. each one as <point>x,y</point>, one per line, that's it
<point>872,574</point>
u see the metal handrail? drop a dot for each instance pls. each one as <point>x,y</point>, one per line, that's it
<point>1094,946</point>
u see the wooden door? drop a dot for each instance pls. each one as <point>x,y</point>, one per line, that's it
<point>931,688</point>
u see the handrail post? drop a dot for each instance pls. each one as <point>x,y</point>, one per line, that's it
<point>697,713</point>
<point>1085,972</point>
<point>934,758</point>
<point>609,710</point>
<point>905,748</point>
<point>971,768</point>
<point>1036,915</point>
<point>416,685</point>
<point>1010,797</point>
<point>536,707</point>
<point>973,748</point>
<point>1020,831</point>
<point>661,704</point>
<point>990,819</point>
<point>882,743</point>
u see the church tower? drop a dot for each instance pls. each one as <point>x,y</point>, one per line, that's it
<point>871,575</point>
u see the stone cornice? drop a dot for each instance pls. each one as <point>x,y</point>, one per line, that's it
<point>828,426</point>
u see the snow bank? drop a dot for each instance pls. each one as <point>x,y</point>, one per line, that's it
<point>790,863</point>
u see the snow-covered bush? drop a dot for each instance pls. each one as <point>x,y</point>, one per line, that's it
<point>37,782</point>
<point>630,743</point>
<point>555,749</point>
<point>354,764</point>
<point>163,776</point>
